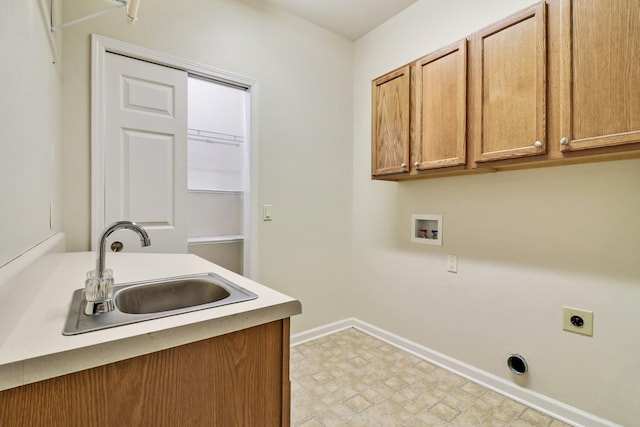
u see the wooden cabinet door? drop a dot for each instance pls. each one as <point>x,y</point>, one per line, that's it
<point>441,108</point>
<point>390,122</point>
<point>238,379</point>
<point>600,73</point>
<point>509,84</point>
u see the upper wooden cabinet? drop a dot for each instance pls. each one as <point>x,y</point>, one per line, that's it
<point>556,83</point>
<point>419,114</point>
<point>391,122</point>
<point>441,108</point>
<point>599,73</point>
<point>509,84</point>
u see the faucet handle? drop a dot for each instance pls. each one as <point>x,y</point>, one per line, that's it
<point>97,307</point>
<point>98,292</point>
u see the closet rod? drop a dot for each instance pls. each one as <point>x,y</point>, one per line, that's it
<point>121,3</point>
<point>217,136</point>
<point>213,140</point>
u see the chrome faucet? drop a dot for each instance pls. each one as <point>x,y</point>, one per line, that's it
<point>102,244</point>
<point>98,288</point>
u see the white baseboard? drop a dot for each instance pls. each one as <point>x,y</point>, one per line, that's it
<point>319,332</point>
<point>538,401</point>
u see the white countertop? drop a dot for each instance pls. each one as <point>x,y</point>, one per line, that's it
<point>35,349</point>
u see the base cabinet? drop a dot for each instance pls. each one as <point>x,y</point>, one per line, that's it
<point>238,379</point>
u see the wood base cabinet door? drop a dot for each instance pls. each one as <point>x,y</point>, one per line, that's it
<point>441,108</point>
<point>390,133</point>
<point>239,379</point>
<point>509,84</point>
<point>600,73</point>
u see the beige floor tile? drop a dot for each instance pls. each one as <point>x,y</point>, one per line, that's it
<point>536,418</point>
<point>358,403</point>
<point>459,399</point>
<point>473,389</point>
<point>470,417</point>
<point>350,379</point>
<point>444,411</point>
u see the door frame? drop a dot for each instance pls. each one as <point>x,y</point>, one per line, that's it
<point>100,46</point>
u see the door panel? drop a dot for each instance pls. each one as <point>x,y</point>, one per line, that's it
<point>600,80</point>
<point>390,126</point>
<point>441,107</point>
<point>150,195</point>
<point>149,97</point>
<point>510,87</point>
<point>146,152</point>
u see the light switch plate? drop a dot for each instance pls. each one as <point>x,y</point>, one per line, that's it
<point>577,321</point>
<point>452,263</point>
<point>266,212</point>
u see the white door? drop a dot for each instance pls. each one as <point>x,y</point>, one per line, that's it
<point>145,154</point>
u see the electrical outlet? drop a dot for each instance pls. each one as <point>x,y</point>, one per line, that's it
<point>578,321</point>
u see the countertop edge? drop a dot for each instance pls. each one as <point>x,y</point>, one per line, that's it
<point>54,365</point>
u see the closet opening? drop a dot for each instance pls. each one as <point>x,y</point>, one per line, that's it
<point>218,172</point>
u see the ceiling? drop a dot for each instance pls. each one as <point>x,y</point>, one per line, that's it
<point>349,18</point>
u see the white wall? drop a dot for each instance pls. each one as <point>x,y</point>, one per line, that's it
<point>304,139</point>
<point>29,126</point>
<point>216,108</point>
<point>528,242</point>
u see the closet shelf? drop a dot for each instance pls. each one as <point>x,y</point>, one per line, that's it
<point>215,239</point>
<point>214,137</point>
<point>213,191</point>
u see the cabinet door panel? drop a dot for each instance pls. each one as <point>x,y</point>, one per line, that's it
<point>391,122</point>
<point>600,83</point>
<point>238,379</point>
<point>510,87</point>
<point>441,110</point>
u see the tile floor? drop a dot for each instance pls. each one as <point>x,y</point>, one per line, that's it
<point>353,379</point>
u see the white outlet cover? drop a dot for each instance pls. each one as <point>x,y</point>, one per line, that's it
<point>587,317</point>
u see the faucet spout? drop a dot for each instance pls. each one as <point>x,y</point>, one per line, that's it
<point>98,288</point>
<point>120,225</point>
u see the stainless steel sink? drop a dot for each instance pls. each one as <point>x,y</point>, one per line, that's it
<point>171,295</point>
<point>152,299</point>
